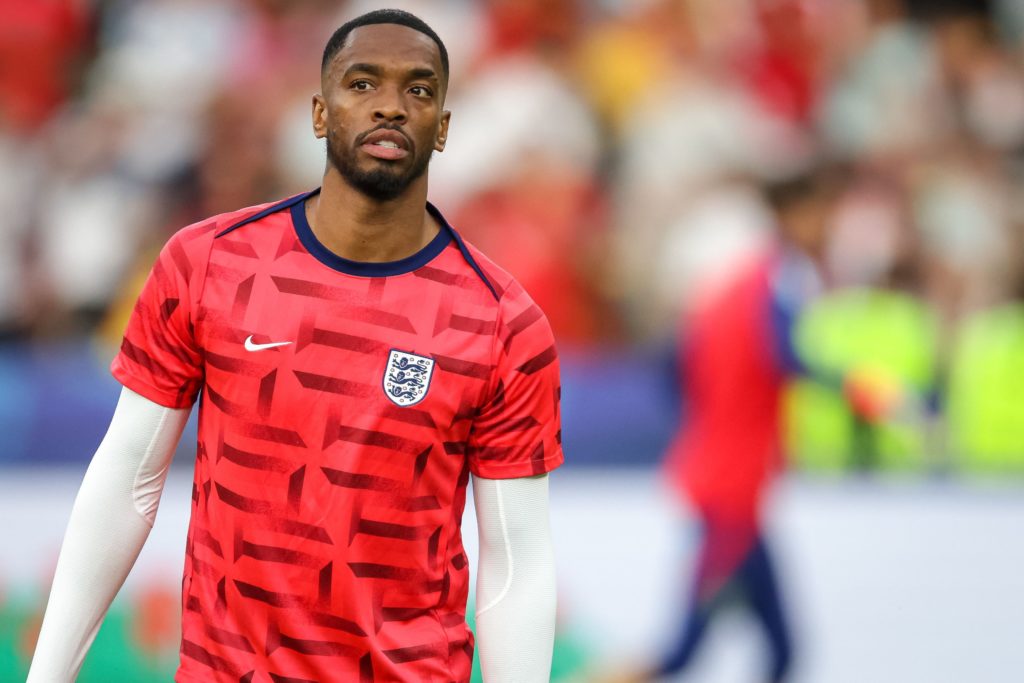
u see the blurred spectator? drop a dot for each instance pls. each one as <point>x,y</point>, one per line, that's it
<point>620,59</point>
<point>782,68</point>
<point>88,229</point>
<point>515,108</point>
<point>985,395</point>
<point>546,220</point>
<point>515,26</point>
<point>22,170</point>
<point>986,402</point>
<point>888,98</point>
<point>987,83</point>
<point>42,48</point>
<point>521,183</point>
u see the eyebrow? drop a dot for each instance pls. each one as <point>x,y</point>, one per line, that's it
<point>375,70</point>
<point>423,73</point>
<point>363,67</point>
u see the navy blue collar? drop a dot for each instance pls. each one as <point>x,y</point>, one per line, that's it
<point>297,206</point>
<point>361,268</point>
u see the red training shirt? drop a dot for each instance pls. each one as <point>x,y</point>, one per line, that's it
<point>729,447</point>
<point>343,407</point>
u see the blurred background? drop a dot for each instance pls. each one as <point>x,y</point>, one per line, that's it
<point>616,156</point>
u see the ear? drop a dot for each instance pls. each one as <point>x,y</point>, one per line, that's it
<point>319,116</point>
<point>442,131</point>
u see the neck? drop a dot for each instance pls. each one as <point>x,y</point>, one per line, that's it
<point>359,228</point>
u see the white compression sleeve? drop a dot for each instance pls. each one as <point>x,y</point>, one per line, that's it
<point>110,521</point>
<point>515,586</point>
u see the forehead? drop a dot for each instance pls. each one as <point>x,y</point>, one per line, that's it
<point>389,44</point>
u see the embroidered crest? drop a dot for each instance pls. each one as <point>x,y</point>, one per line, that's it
<point>407,377</point>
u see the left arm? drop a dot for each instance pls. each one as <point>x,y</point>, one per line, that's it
<point>515,597</point>
<point>515,440</point>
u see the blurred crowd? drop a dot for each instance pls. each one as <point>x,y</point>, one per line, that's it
<point>612,155</point>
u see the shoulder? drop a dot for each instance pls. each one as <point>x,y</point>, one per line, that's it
<point>510,297</point>
<point>195,241</point>
<point>187,252</point>
<point>215,226</point>
<point>523,330</point>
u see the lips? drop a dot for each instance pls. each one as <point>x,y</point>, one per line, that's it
<point>386,143</point>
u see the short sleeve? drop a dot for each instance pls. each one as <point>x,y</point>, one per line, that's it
<point>518,432</point>
<point>159,356</point>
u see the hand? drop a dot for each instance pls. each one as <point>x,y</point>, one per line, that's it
<point>872,393</point>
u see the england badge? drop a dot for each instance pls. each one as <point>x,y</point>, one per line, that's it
<point>407,377</point>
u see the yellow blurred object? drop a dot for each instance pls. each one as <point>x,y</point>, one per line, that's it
<point>111,330</point>
<point>618,65</point>
<point>873,393</point>
<point>986,392</point>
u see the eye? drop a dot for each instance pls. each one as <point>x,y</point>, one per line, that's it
<point>421,91</point>
<point>360,85</point>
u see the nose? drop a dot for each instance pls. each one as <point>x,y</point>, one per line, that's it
<point>389,106</point>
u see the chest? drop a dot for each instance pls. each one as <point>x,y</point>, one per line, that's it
<point>300,353</point>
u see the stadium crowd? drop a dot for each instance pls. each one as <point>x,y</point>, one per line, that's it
<point>613,156</point>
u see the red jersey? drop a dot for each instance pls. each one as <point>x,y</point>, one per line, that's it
<point>343,407</point>
<point>729,446</point>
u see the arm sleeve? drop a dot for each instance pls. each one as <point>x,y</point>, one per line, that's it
<point>518,431</point>
<point>110,521</point>
<point>515,593</point>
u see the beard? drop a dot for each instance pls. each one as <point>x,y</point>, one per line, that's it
<point>381,183</point>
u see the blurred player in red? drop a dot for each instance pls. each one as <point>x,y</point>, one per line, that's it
<point>734,358</point>
<point>357,363</point>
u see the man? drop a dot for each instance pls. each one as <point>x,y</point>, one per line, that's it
<point>735,357</point>
<point>357,362</point>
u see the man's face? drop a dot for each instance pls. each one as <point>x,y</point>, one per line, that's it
<point>382,109</point>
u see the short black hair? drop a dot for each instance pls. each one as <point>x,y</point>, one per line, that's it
<point>382,16</point>
<point>821,180</point>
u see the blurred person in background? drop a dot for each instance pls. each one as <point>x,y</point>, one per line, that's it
<point>735,354</point>
<point>324,540</point>
<point>985,397</point>
<point>534,200</point>
<point>44,47</point>
<point>721,106</point>
<point>869,345</point>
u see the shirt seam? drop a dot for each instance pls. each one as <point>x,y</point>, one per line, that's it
<point>527,466</point>
<point>192,315</point>
<point>495,354</point>
<point>135,382</point>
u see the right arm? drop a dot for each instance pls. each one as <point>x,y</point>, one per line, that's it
<point>516,596</point>
<point>111,519</point>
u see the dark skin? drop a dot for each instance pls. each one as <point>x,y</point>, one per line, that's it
<point>386,82</point>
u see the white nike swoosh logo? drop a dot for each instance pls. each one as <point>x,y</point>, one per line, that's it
<point>249,346</point>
